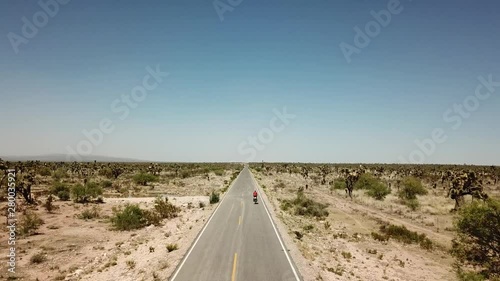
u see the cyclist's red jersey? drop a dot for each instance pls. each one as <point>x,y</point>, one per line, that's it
<point>255,194</point>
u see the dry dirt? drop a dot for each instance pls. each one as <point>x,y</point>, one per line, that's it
<point>341,247</point>
<point>77,249</point>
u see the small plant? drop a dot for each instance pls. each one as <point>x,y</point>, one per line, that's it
<point>308,227</point>
<point>379,237</point>
<point>165,209</point>
<point>378,191</point>
<point>89,214</point>
<point>411,188</point>
<point>172,247</point>
<point>144,178</point>
<point>106,184</point>
<point>202,205</point>
<point>339,270</point>
<point>128,218</point>
<point>347,255</point>
<point>106,172</point>
<point>59,174</point>
<point>45,172</point>
<point>366,181</point>
<point>402,234</point>
<point>38,258</point>
<point>61,190</point>
<point>327,225</point>
<point>130,264</point>
<point>48,205</point>
<point>152,217</point>
<point>29,224</point>
<point>338,184</point>
<point>87,192</point>
<point>413,204</point>
<point>304,206</point>
<point>214,197</point>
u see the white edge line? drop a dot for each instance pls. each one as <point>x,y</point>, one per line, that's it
<point>203,230</point>
<point>276,232</point>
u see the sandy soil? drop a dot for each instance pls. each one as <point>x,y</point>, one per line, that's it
<point>77,249</point>
<point>341,247</point>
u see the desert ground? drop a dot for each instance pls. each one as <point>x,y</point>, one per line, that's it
<point>77,237</point>
<point>341,247</point>
<point>68,247</point>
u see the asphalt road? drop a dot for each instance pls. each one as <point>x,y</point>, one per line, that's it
<point>239,242</point>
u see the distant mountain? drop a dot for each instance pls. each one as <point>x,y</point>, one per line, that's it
<point>64,158</point>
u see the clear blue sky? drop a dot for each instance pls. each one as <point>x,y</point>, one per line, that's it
<point>226,77</point>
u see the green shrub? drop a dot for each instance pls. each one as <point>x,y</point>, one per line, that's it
<point>286,205</point>
<point>144,178</point>
<point>172,247</point>
<point>402,234</point>
<point>60,190</point>
<point>45,172</point>
<point>106,172</point>
<point>63,195</point>
<point>338,184</point>
<point>59,174</point>
<point>379,237</point>
<point>365,181</point>
<point>128,218</point>
<point>411,188</point>
<point>304,206</point>
<point>477,239</point>
<point>29,224</point>
<point>378,191</point>
<point>48,205</point>
<point>106,184</point>
<point>87,192</point>
<point>214,197</point>
<point>470,276</point>
<point>308,227</point>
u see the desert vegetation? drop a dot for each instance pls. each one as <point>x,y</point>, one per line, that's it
<point>388,222</point>
<point>95,221</point>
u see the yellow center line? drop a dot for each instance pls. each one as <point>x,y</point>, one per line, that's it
<point>233,276</point>
<point>240,220</point>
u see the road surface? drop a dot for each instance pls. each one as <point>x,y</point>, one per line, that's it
<point>238,243</point>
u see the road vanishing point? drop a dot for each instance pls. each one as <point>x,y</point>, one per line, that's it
<point>239,242</point>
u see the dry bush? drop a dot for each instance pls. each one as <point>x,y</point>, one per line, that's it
<point>38,258</point>
<point>89,214</point>
<point>29,224</point>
